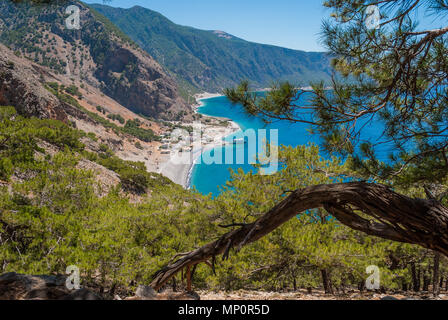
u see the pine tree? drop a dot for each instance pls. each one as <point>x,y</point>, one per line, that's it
<point>396,75</point>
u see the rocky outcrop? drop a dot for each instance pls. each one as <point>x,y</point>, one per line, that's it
<point>15,286</point>
<point>107,179</point>
<point>146,293</point>
<point>146,90</point>
<point>20,87</point>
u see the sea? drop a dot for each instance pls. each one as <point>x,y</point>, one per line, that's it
<point>209,178</point>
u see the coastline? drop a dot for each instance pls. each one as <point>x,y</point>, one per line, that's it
<point>182,173</point>
<point>232,129</point>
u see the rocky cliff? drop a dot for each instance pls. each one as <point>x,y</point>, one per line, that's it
<point>20,87</point>
<point>98,54</point>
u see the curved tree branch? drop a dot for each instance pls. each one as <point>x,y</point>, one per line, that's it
<point>394,217</point>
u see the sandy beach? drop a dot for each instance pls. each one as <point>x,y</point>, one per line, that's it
<point>181,173</point>
<point>177,173</point>
<point>207,95</point>
<point>214,133</point>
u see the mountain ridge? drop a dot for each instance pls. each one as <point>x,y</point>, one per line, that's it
<point>138,7</point>
<point>208,59</point>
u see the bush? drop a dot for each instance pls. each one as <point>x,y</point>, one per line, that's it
<point>134,181</point>
<point>101,109</point>
<point>116,117</point>
<point>92,136</point>
<point>6,168</point>
<point>21,137</point>
<point>54,86</point>
<point>73,90</point>
<point>132,127</point>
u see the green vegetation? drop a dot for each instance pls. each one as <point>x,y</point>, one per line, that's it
<point>19,140</point>
<point>138,145</point>
<point>59,216</point>
<point>116,117</point>
<point>64,94</point>
<point>53,214</point>
<point>101,109</point>
<point>110,27</point>
<point>133,175</point>
<point>133,127</point>
<point>395,75</point>
<point>73,90</point>
<point>314,250</point>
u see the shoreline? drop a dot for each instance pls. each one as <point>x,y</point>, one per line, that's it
<point>234,126</point>
<point>182,174</point>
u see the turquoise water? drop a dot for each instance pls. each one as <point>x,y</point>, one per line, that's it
<point>209,178</point>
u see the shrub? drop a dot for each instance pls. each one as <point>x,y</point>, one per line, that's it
<point>116,117</point>
<point>73,90</point>
<point>133,128</point>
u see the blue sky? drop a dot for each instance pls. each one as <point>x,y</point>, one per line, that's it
<point>292,24</point>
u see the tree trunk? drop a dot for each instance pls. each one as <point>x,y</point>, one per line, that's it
<point>193,272</point>
<point>395,217</point>
<point>426,280</point>
<point>343,286</point>
<point>436,275</point>
<point>404,285</point>
<point>361,286</point>
<point>419,278</point>
<point>326,281</point>
<point>415,278</point>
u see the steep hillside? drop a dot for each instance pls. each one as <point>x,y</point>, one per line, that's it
<point>98,54</point>
<point>20,87</point>
<point>53,114</point>
<point>212,60</point>
<point>35,91</point>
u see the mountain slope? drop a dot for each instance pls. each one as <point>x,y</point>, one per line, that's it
<point>212,60</point>
<point>98,54</point>
<point>20,87</point>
